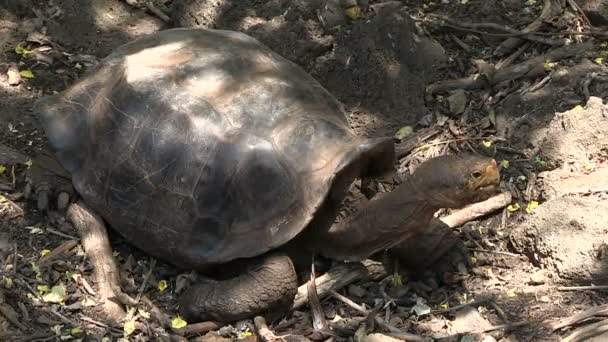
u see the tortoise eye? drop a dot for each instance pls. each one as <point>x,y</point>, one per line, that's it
<point>476,174</point>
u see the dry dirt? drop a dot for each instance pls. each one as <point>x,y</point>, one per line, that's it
<point>379,67</point>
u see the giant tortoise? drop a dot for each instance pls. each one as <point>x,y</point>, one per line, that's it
<point>203,147</point>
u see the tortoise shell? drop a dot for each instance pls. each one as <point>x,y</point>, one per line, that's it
<point>202,146</point>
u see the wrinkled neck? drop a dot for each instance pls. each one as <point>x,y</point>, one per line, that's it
<point>385,221</point>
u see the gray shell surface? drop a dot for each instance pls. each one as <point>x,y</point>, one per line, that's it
<point>204,146</point>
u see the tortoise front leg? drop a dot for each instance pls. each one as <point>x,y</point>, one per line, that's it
<point>95,241</point>
<point>269,286</point>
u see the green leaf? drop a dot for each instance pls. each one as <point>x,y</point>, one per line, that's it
<point>178,323</point>
<point>245,334</point>
<point>2,169</point>
<point>27,73</point>
<point>143,313</point>
<point>45,252</point>
<point>486,143</point>
<point>404,132</point>
<point>505,164</point>
<point>162,285</point>
<point>549,65</point>
<point>513,207</point>
<point>43,289</point>
<point>56,295</point>
<point>599,60</point>
<point>20,50</point>
<point>539,161</point>
<point>76,331</point>
<point>129,327</point>
<point>531,206</point>
<point>353,12</point>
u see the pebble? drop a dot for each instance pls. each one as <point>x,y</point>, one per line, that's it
<point>537,278</point>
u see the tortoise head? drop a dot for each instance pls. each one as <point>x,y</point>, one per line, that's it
<point>457,180</point>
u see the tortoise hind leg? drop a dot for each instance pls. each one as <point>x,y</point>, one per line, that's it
<point>269,285</point>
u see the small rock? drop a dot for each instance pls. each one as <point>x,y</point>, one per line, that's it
<point>537,278</point>
<point>379,338</point>
<point>544,299</point>
<point>226,331</point>
<point>356,291</point>
<point>458,102</point>
<point>469,319</point>
<point>212,337</point>
<point>488,338</point>
<point>14,78</point>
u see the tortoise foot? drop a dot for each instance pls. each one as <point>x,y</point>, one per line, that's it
<point>48,181</point>
<point>269,286</point>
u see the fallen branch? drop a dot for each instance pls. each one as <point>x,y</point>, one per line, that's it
<point>587,332</point>
<point>64,248</point>
<point>410,143</point>
<point>510,32</point>
<point>510,73</point>
<point>477,210</point>
<point>583,288</point>
<point>601,310</point>
<point>550,9</point>
<point>340,276</point>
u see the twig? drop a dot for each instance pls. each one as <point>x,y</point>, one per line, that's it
<point>97,323</point>
<point>15,206</point>
<point>601,310</point>
<point>583,288</point>
<point>453,140</point>
<point>87,286</point>
<point>474,28</point>
<point>349,302</point>
<point>11,316</point>
<point>510,73</point>
<point>319,322</point>
<point>142,287</point>
<point>585,333</point>
<point>340,276</point>
<point>35,336</point>
<point>159,13</point>
<point>499,311</point>
<point>512,57</point>
<point>410,143</point>
<point>481,250</point>
<point>265,333</point>
<point>478,209</point>
<point>65,247</point>
<point>397,333</point>
<point>58,233</point>
<point>464,305</point>
<point>505,326</point>
<point>61,317</point>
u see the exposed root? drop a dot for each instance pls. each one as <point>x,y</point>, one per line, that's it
<point>95,241</point>
<point>587,332</point>
<point>601,310</point>
<point>521,70</point>
<point>551,8</point>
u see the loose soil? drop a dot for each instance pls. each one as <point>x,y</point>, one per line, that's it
<point>378,66</point>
